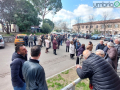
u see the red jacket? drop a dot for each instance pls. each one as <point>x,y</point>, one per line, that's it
<point>54,44</point>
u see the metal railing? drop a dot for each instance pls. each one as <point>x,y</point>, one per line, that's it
<point>71,86</point>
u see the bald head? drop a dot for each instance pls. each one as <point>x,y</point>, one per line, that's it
<point>101,41</point>
<point>100,53</point>
<point>86,54</point>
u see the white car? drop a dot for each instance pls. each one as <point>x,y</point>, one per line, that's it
<point>116,36</point>
<point>2,43</point>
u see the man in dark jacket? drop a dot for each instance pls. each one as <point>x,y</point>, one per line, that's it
<point>18,58</point>
<point>35,39</point>
<point>100,45</point>
<point>117,46</point>
<point>112,52</point>
<point>102,76</point>
<point>33,72</point>
<point>101,53</point>
<point>26,40</point>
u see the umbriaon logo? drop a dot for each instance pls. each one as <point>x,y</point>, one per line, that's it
<point>116,3</point>
<point>106,4</point>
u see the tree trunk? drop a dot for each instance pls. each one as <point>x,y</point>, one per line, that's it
<point>8,29</point>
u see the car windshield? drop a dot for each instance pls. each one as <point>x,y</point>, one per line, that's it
<point>0,39</point>
<point>20,37</point>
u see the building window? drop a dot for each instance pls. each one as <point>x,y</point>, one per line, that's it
<point>91,26</point>
<point>109,26</point>
<point>97,26</point>
<point>82,26</point>
<point>116,25</point>
<point>102,26</point>
<point>86,26</point>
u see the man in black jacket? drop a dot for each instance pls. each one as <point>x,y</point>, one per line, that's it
<point>18,58</point>
<point>33,72</point>
<point>100,45</point>
<point>102,76</point>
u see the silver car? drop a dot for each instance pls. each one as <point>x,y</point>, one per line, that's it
<point>2,43</point>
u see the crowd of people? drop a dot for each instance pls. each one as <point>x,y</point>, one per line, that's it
<point>100,67</point>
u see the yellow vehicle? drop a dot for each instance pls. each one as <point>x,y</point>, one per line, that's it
<point>19,39</point>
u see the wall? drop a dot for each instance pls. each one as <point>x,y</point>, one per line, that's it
<point>9,39</point>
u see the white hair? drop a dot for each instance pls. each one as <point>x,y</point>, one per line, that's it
<point>105,42</point>
<point>110,44</point>
<point>118,39</point>
<point>100,51</point>
<point>87,54</point>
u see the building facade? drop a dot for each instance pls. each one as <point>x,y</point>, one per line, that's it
<point>109,26</point>
<point>14,28</point>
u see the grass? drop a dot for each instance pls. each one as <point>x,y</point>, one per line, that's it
<point>28,33</point>
<point>61,80</point>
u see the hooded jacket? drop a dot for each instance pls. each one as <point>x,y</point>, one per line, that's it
<point>16,70</point>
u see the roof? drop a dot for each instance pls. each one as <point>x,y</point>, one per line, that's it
<point>100,22</point>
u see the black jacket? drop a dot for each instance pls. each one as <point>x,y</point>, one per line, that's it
<point>102,76</point>
<point>16,70</point>
<point>107,58</point>
<point>34,75</point>
<point>99,46</point>
<point>105,49</point>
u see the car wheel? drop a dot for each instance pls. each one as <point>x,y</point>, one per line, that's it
<point>15,44</point>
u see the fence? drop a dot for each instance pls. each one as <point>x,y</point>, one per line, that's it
<point>71,86</point>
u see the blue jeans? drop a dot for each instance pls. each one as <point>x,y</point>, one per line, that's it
<point>61,42</point>
<point>20,88</point>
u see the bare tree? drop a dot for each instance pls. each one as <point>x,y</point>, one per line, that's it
<point>106,19</point>
<point>78,21</point>
<point>91,19</point>
<point>64,26</point>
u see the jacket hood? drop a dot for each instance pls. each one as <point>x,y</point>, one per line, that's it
<point>15,55</point>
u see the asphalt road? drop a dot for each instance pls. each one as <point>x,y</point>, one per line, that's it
<point>52,64</point>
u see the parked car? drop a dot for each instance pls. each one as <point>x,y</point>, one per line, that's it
<point>74,35</point>
<point>2,43</point>
<point>116,36</point>
<point>19,39</point>
<point>96,37</point>
<point>107,38</point>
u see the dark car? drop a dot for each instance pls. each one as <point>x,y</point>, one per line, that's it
<point>74,35</point>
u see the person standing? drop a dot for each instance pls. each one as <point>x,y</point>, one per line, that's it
<point>33,72</point>
<point>117,46</point>
<point>35,39</point>
<point>26,40</point>
<point>105,48</point>
<point>112,52</point>
<point>67,45</point>
<point>47,44</point>
<point>40,42</point>
<point>100,45</point>
<point>58,41</point>
<point>72,50</point>
<point>78,44</point>
<point>49,38</point>
<point>55,45</point>
<point>90,46</point>
<point>30,40</point>
<point>80,51</point>
<point>18,58</point>
<point>61,39</point>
